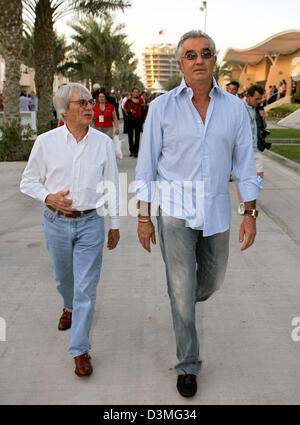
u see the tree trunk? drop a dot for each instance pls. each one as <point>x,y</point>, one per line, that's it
<point>108,76</point>
<point>99,72</point>
<point>44,62</point>
<point>11,27</point>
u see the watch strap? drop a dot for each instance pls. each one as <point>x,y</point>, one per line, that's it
<point>253,213</point>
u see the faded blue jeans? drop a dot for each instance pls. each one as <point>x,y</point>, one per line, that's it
<point>195,269</point>
<point>75,246</point>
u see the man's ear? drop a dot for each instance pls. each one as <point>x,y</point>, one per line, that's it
<point>180,65</point>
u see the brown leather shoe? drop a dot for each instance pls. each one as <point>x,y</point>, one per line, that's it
<point>83,365</point>
<point>65,321</point>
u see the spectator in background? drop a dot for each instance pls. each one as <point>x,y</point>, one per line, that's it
<point>113,99</point>
<point>133,109</point>
<point>33,101</point>
<point>105,116</point>
<point>233,87</point>
<point>1,103</point>
<point>24,102</point>
<point>270,95</point>
<point>275,93</point>
<point>257,116</point>
<point>265,97</point>
<point>284,88</point>
<point>95,91</point>
<point>124,100</point>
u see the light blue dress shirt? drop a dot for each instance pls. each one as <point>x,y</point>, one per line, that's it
<point>191,161</point>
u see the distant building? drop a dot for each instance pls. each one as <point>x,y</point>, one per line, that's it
<point>27,78</point>
<point>267,63</point>
<point>159,64</point>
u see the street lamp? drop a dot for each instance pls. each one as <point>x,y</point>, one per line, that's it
<point>203,8</point>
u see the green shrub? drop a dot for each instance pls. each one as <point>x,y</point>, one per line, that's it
<point>296,98</point>
<point>282,111</point>
<point>16,142</point>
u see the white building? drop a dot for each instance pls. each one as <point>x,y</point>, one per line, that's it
<point>159,64</point>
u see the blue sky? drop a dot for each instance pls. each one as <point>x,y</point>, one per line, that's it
<point>231,23</point>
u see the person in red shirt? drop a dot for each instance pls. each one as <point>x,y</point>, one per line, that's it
<point>133,109</point>
<point>105,117</point>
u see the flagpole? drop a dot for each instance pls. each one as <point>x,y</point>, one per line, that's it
<point>203,8</point>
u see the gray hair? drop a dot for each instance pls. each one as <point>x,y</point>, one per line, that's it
<point>62,97</point>
<point>193,34</point>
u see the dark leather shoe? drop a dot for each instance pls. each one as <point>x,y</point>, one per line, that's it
<point>65,321</point>
<point>187,385</point>
<point>83,365</point>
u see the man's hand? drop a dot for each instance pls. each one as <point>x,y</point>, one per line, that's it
<point>58,201</point>
<point>247,231</point>
<point>262,113</point>
<point>146,231</point>
<point>113,238</point>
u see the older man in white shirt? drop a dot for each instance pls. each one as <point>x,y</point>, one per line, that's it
<point>73,170</point>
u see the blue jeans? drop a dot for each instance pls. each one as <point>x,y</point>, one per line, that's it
<point>75,246</point>
<point>195,269</point>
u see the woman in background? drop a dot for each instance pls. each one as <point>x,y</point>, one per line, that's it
<point>105,117</point>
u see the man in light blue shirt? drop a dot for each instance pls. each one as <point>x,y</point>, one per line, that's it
<point>193,136</point>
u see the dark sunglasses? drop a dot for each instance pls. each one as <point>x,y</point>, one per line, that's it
<point>83,102</point>
<point>191,56</point>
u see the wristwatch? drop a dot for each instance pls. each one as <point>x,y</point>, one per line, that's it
<point>253,213</point>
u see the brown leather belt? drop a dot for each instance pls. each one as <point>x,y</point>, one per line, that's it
<point>73,214</point>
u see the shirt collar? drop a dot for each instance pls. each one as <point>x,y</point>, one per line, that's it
<point>183,87</point>
<point>68,135</point>
<point>248,106</point>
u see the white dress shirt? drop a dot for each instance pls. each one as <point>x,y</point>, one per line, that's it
<point>87,169</point>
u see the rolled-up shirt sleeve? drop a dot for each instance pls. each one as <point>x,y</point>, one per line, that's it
<point>248,183</point>
<point>34,175</point>
<point>151,146</point>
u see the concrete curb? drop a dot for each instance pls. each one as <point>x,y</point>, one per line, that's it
<point>283,141</point>
<point>283,160</point>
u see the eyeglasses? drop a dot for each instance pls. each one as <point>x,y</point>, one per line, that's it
<point>191,56</point>
<point>83,102</point>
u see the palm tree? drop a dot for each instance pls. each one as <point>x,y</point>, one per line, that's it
<point>172,82</point>
<point>60,51</point>
<point>45,13</point>
<point>125,78</point>
<point>100,50</point>
<point>222,70</point>
<point>11,43</point>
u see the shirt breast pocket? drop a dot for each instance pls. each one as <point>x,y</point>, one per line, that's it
<point>90,176</point>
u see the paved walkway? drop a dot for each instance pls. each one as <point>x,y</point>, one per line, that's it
<point>245,329</point>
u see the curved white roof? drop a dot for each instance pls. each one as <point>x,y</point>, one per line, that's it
<point>284,43</point>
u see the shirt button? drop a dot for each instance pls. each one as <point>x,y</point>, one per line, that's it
<point>205,178</point>
<point>206,195</point>
<point>205,157</point>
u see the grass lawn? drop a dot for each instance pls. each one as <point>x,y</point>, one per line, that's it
<point>290,152</point>
<point>282,133</point>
